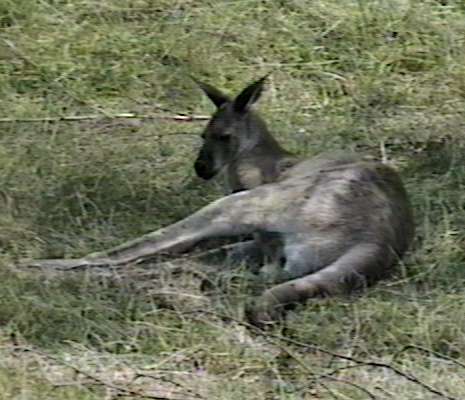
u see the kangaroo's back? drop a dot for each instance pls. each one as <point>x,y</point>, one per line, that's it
<point>338,202</point>
<point>363,200</point>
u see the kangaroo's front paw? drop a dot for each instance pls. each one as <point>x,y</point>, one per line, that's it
<point>264,311</point>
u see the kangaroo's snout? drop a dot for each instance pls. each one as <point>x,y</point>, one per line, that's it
<point>203,169</point>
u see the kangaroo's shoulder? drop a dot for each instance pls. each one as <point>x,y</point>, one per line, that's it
<point>325,162</point>
<point>344,172</point>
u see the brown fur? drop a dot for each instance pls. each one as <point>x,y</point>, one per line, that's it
<point>324,226</point>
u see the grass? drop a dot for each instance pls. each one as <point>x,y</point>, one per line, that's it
<point>346,75</point>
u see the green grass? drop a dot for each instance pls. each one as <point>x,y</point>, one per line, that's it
<point>359,75</point>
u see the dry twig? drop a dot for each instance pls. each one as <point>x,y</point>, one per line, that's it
<point>170,381</point>
<point>79,118</point>
<point>429,352</point>
<point>314,348</point>
<point>364,363</point>
<point>346,382</point>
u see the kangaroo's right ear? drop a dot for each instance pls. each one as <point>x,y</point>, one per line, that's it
<point>215,95</point>
<point>249,95</point>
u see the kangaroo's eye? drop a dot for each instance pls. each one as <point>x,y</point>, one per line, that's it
<point>223,138</point>
<point>203,136</point>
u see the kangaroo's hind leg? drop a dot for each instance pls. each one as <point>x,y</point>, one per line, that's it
<point>230,216</point>
<point>355,269</point>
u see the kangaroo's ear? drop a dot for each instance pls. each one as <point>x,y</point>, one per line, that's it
<point>215,95</point>
<point>249,96</point>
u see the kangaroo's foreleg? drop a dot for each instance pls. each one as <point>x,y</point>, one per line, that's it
<point>230,216</point>
<point>355,269</point>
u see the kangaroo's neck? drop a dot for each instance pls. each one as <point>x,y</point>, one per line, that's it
<point>262,163</point>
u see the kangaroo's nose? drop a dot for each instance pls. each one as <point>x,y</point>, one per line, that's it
<point>203,170</point>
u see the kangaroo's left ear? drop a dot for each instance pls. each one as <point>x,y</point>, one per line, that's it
<point>249,96</point>
<point>215,95</point>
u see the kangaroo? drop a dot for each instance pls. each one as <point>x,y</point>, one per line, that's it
<point>323,226</point>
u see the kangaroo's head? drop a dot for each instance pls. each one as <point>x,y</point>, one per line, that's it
<point>233,130</point>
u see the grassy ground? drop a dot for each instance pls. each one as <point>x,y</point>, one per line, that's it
<point>383,77</point>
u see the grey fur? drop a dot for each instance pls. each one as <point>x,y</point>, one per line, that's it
<point>325,225</point>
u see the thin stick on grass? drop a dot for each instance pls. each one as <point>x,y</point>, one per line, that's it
<point>170,381</point>
<point>314,348</point>
<point>354,385</point>
<point>316,379</point>
<point>79,118</point>
<point>363,363</point>
<point>429,352</point>
<point>329,390</point>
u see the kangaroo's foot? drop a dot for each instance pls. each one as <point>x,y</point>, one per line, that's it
<point>362,264</point>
